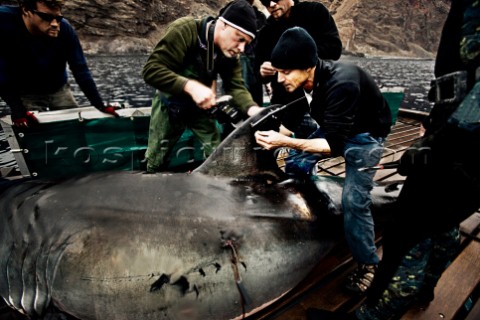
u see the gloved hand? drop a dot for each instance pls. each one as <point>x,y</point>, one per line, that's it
<point>110,110</point>
<point>28,121</point>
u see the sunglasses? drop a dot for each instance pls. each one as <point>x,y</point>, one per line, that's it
<point>266,3</point>
<point>47,16</point>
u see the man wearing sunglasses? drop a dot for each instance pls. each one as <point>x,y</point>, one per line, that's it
<point>36,45</point>
<point>317,20</point>
<point>284,14</point>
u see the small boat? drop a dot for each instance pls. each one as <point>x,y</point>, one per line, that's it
<point>76,141</point>
<point>63,136</point>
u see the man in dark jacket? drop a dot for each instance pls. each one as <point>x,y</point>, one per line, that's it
<point>250,76</point>
<point>443,179</point>
<point>354,120</point>
<point>183,68</point>
<point>443,191</point>
<point>319,23</point>
<point>36,45</point>
<point>284,14</point>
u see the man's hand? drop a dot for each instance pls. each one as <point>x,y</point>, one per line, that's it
<point>266,69</point>
<point>270,139</point>
<point>253,110</point>
<point>273,139</point>
<point>25,122</point>
<point>203,96</point>
<point>110,110</point>
<point>286,132</point>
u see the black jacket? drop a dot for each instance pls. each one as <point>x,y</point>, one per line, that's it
<point>346,102</point>
<point>319,23</point>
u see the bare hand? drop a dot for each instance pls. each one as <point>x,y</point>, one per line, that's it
<point>253,110</point>
<point>270,139</point>
<point>203,96</point>
<point>266,69</point>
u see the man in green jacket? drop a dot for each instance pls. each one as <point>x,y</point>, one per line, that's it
<point>184,67</point>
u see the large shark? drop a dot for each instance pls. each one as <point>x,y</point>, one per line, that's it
<point>221,242</point>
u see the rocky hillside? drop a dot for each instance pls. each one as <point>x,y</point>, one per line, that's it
<point>390,27</point>
<point>409,28</point>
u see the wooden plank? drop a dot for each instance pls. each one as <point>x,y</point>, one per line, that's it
<point>454,287</point>
<point>471,224</point>
<point>325,290</point>
<point>474,314</point>
<point>402,136</point>
<point>330,295</point>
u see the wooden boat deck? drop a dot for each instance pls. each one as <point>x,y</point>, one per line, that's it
<point>457,293</point>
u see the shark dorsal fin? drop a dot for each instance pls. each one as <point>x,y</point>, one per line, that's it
<point>239,155</point>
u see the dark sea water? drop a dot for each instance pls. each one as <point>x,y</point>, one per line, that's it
<point>119,80</point>
<point>412,75</point>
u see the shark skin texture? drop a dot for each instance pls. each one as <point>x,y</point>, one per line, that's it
<point>221,242</point>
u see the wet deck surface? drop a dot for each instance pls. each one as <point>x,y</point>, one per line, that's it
<point>456,295</point>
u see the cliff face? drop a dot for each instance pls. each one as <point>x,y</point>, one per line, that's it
<point>390,27</point>
<point>409,28</point>
<point>121,26</point>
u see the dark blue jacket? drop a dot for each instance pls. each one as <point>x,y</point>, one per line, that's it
<point>37,65</point>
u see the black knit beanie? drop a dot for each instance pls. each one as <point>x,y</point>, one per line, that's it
<point>240,15</point>
<point>295,49</point>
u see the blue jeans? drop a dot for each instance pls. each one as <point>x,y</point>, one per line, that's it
<point>301,163</point>
<point>360,151</point>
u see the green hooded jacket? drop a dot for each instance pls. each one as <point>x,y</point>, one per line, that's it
<point>182,55</point>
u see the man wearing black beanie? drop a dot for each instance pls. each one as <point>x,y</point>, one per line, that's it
<point>294,50</point>
<point>184,67</point>
<point>354,120</point>
<point>316,19</point>
<point>422,236</point>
